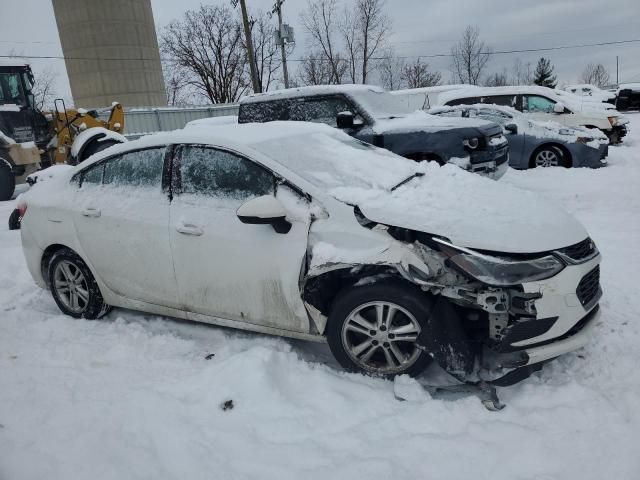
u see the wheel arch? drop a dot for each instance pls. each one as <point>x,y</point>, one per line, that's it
<point>321,290</point>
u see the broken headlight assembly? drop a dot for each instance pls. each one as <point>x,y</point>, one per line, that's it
<point>471,143</point>
<point>500,271</point>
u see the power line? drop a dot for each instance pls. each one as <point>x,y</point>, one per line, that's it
<point>433,55</point>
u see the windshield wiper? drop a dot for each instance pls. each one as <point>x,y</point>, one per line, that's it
<point>408,179</point>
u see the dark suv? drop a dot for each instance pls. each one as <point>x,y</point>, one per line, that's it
<point>372,115</point>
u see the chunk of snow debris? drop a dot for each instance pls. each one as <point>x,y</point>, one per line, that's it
<point>408,389</point>
<point>227,405</point>
<point>209,356</point>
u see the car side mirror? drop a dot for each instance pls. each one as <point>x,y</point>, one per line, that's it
<point>558,108</point>
<point>265,210</point>
<point>345,120</point>
<point>511,128</point>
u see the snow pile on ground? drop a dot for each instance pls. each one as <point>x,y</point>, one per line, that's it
<point>135,397</point>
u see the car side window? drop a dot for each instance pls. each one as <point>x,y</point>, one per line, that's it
<point>264,111</point>
<point>138,168</point>
<point>217,173</point>
<point>496,116</point>
<point>504,100</point>
<point>463,101</point>
<point>536,103</point>
<point>93,174</point>
<point>319,110</point>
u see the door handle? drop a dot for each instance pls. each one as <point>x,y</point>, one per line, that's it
<point>189,229</point>
<point>91,212</point>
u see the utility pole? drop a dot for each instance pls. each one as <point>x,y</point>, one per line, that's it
<point>285,73</point>
<point>284,36</point>
<point>617,71</point>
<point>252,58</point>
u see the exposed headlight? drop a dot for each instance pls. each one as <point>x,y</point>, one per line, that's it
<point>584,139</point>
<point>566,131</point>
<point>502,272</point>
<point>471,143</point>
<point>612,120</point>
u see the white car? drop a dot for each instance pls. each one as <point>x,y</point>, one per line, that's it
<point>300,230</point>
<point>544,104</point>
<point>592,91</point>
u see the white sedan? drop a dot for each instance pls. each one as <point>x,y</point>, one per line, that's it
<point>299,230</point>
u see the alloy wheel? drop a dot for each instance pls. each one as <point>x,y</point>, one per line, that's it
<point>380,337</point>
<point>547,158</point>
<point>71,286</point>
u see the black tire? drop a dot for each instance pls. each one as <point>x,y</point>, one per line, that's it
<point>358,299</point>
<point>14,220</point>
<point>95,146</point>
<point>94,306</point>
<point>549,152</point>
<point>7,181</point>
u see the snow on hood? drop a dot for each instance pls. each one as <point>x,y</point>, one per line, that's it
<point>471,211</point>
<point>419,120</point>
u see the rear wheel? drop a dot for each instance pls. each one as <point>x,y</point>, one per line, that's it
<point>74,287</point>
<point>7,181</point>
<point>14,220</point>
<point>373,329</point>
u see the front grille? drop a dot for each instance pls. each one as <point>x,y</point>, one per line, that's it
<point>589,286</point>
<point>579,251</point>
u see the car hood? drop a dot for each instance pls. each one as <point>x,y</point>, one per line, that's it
<point>471,211</point>
<point>420,121</point>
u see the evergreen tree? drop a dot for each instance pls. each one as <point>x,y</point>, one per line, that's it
<point>543,75</point>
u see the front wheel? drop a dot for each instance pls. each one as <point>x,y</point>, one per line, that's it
<point>373,329</point>
<point>74,287</point>
<point>548,157</point>
<point>7,181</point>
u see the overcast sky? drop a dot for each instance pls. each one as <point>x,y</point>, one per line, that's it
<point>419,27</point>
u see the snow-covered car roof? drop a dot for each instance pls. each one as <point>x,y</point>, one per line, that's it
<point>213,121</point>
<point>377,102</point>
<point>436,89</point>
<point>629,86</point>
<point>13,62</point>
<point>309,91</point>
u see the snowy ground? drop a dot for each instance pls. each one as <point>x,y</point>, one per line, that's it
<point>133,396</point>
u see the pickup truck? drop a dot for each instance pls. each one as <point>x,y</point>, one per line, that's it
<point>375,116</point>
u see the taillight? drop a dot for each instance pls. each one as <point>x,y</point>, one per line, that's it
<point>22,208</point>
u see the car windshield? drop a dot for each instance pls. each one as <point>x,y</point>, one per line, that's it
<point>381,104</point>
<point>333,162</point>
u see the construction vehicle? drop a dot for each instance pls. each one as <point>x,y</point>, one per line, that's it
<point>31,139</point>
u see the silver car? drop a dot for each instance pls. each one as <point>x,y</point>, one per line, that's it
<point>538,144</point>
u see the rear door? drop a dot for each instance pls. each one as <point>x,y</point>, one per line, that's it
<point>225,268</point>
<point>121,216</point>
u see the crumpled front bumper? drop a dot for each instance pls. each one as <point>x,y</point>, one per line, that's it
<point>565,317</point>
<point>586,156</point>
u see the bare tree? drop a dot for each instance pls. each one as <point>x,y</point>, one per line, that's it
<point>268,60</point>
<point>595,75</point>
<point>522,73</point>
<point>349,30</point>
<point>208,44</point>
<point>373,27</point>
<point>390,69</point>
<point>44,88</point>
<point>316,70</point>
<point>319,22</point>
<point>417,75</point>
<point>470,56</point>
<point>497,79</point>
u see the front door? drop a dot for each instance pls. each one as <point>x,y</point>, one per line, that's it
<point>226,268</point>
<point>121,216</point>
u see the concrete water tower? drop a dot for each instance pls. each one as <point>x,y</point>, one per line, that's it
<point>111,52</point>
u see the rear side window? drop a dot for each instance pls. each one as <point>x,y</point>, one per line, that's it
<point>504,100</point>
<point>139,168</point>
<point>217,173</point>
<point>464,101</point>
<point>260,112</point>
<point>319,110</point>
